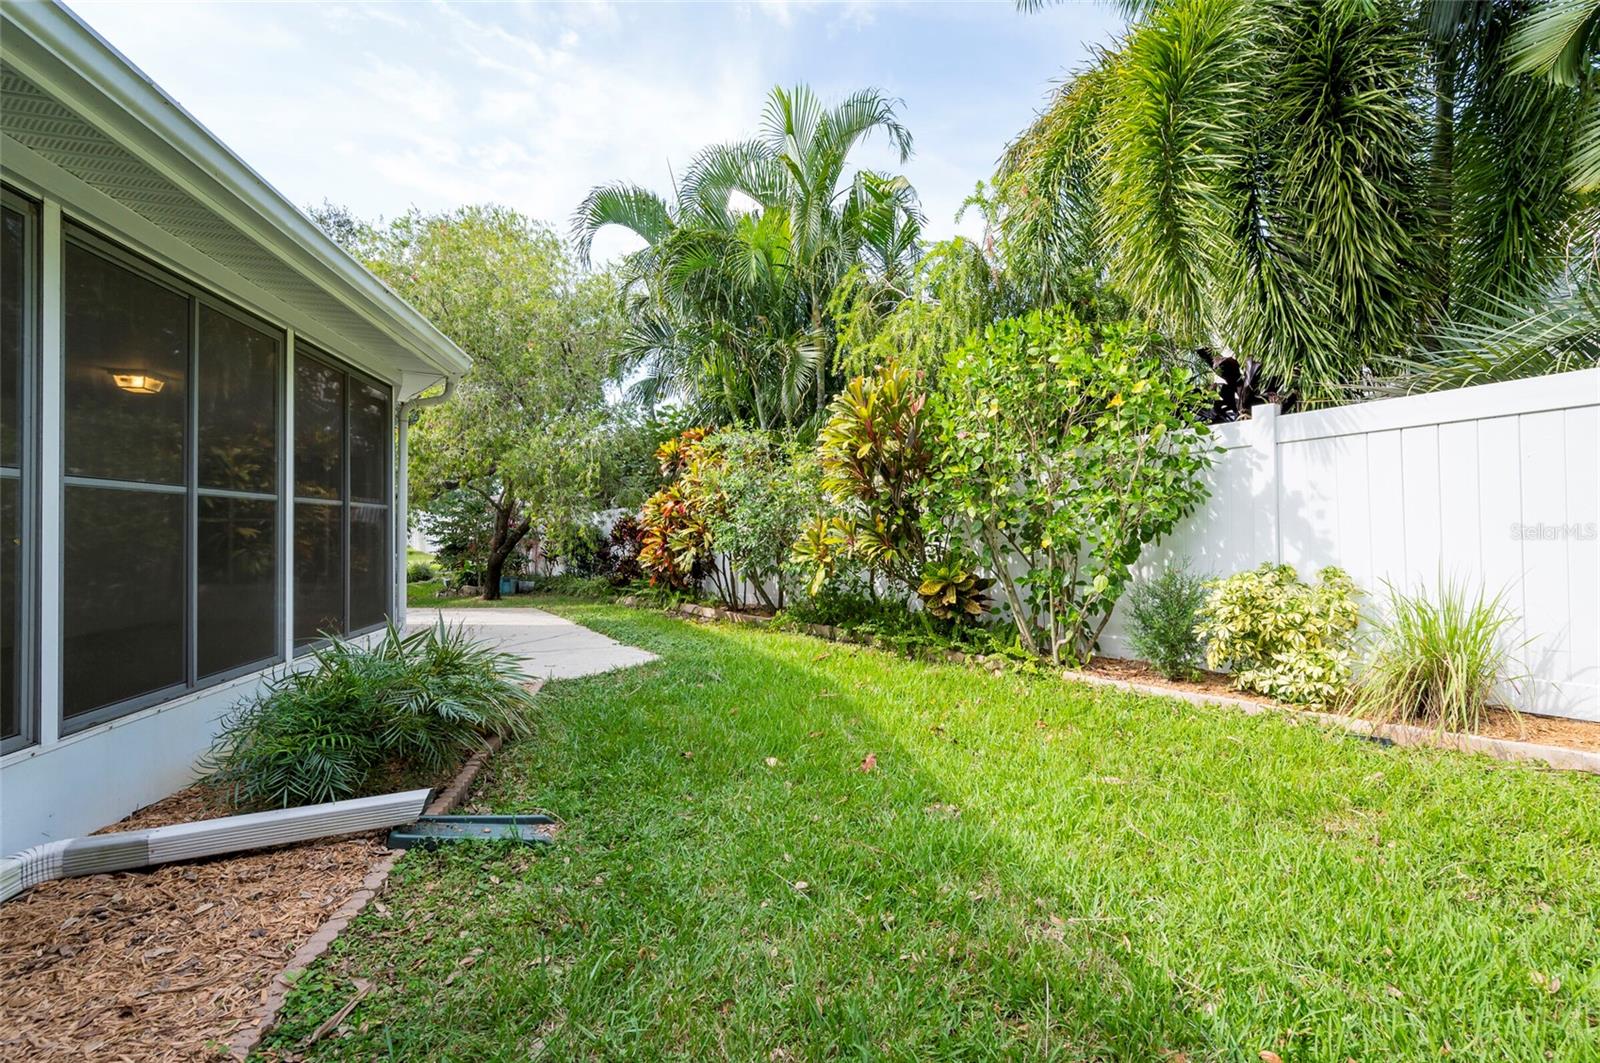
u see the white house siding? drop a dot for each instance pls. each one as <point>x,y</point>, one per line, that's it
<point>1495,486</point>
<point>95,777</point>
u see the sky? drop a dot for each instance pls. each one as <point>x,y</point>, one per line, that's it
<point>386,106</point>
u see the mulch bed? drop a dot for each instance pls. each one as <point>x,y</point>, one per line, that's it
<point>1500,723</point>
<point>164,964</point>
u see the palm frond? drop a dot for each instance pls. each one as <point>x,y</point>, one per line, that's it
<point>1171,150</point>
<point>1558,39</point>
<point>1508,339</point>
<point>637,209</point>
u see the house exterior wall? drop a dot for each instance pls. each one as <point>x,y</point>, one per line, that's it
<point>1494,486</point>
<point>63,785</point>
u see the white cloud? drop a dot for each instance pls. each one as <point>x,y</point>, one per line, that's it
<point>382,107</point>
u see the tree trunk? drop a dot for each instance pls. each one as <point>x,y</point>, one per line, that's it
<point>758,583</point>
<point>505,539</point>
<point>1019,616</point>
<point>1444,158</point>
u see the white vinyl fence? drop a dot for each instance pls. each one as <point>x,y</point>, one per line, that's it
<point>1495,485</point>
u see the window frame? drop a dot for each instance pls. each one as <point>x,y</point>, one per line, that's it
<point>26,474</point>
<point>74,232</point>
<point>346,502</point>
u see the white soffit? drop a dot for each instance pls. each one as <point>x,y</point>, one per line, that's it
<point>71,99</point>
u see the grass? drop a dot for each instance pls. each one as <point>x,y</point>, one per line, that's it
<point>424,594</point>
<point>1032,869</point>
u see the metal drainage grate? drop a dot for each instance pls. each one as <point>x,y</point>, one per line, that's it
<point>430,832</point>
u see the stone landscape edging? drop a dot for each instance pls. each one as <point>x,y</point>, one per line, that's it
<point>1561,758</point>
<point>372,885</point>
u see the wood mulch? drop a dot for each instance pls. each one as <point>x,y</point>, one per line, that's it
<point>166,963</point>
<point>1500,723</point>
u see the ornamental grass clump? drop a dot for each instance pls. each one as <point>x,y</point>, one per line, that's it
<point>1438,662</point>
<point>1281,636</point>
<point>406,707</point>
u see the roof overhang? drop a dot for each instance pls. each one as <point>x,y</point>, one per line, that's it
<point>81,106</point>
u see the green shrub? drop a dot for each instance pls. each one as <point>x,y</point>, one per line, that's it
<point>578,546</point>
<point>419,572</point>
<point>1161,621</point>
<point>571,585</point>
<point>767,488</point>
<point>875,456</point>
<point>1280,636</point>
<point>1438,662</point>
<point>410,706</point>
<point>951,591</point>
<point>1062,449</point>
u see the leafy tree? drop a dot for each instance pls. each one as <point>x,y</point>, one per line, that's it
<point>525,433</point>
<point>1560,41</point>
<point>729,301</point>
<point>1061,452</point>
<point>954,291</point>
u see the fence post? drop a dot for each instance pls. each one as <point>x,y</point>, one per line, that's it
<point>1264,482</point>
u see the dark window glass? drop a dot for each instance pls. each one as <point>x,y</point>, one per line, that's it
<point>10,608</point>
<point>122,595</point>
<point>127,357</point>
<point>369,443</point>
<point>318,571</point>
<point>369,566</point>
<point>318,430</point>
<point>237,382</point>
<point>13,308</point>
<point>237,595</point>
<point>14,303</point>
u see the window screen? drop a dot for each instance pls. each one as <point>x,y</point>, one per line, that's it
<point>342,547</point>
<point>18,277</point>
<point>172,425</point>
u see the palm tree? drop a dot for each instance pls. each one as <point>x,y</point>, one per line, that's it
<point>1560,41</point>
<point>1319,186</point>
<point>729,296</point>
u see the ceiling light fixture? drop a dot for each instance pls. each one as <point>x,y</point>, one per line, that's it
<point>138,383</point>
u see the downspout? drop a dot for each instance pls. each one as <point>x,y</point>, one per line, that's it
<point>402,491</point>
<point>131,850</point>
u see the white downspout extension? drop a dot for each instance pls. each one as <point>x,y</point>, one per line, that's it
<point>402,490</point>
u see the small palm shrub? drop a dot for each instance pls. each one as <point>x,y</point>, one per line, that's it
<point>1161,621</point>
<point>409,705</point>
<point>419,572</point>
<point>1438,662</point>
<point>1280,636</point>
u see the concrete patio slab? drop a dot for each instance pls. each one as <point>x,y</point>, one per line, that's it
<point>550,647</point>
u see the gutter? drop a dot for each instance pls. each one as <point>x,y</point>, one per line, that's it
<point>135,849</point>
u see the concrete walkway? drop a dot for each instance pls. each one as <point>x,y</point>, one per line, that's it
<point>550,647</point>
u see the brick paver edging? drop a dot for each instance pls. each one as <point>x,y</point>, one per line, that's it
<point>1401,734</point>
<point>372,885</point>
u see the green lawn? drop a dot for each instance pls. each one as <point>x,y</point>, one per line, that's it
<point>1034,869</point>
<point>425,594</point>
